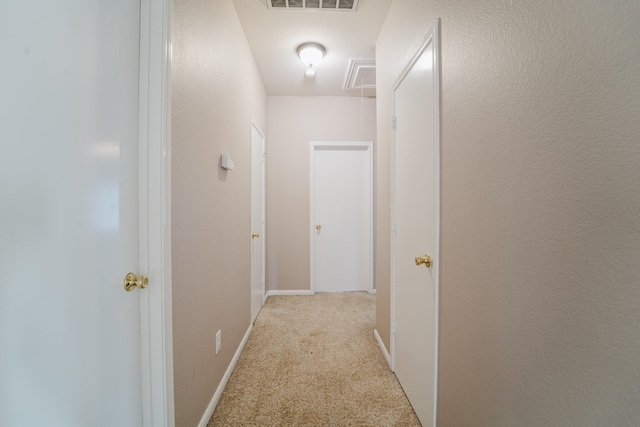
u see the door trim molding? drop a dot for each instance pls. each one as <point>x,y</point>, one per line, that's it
<point>315,145</point>
<point>432,38</point>
<point>154,160</point>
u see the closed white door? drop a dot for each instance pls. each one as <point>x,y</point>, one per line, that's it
<point>257,221</point>
<point>69,332</point>
<point>341,212</point>
<point>416,195</point>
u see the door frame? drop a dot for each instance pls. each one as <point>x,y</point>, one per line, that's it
<point>368,145</point>
<point>254,125</point>
<point>154,162</point>
<point>432,38</point>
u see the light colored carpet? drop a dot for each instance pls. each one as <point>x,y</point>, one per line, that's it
<point>313,361</point>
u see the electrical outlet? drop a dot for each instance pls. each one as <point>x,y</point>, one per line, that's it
<point>218,341</point>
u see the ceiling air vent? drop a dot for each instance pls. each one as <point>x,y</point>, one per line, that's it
<point>314,5</point>
<point>361,78</point>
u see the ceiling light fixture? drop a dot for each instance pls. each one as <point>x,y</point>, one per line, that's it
<point>311,54</point>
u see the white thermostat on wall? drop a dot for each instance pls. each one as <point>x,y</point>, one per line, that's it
<point>226,162</point>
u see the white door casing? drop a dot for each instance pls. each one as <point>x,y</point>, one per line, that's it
<point>81,140</point>
<point>156,323</point>
<point>257,220</point>
<point>341,195</point>
<point>415,228</point>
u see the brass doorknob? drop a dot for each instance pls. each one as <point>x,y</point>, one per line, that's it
<point>131,281</point>
<point>318,227</point>
<point>254,235</point>
<point>426,260</point>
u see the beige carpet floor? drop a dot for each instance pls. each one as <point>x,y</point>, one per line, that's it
<point>313,361</point>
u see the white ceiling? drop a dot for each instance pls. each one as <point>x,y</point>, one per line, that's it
<point>274,36</point>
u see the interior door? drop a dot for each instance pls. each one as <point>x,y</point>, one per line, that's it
<point>341,217</point>
<point>257,221</point>
<point>416,195</point>
<point>69,332</point>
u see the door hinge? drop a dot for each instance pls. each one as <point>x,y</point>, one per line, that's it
<point>393,227</point>
<point>393,327</point>
<point>393,122</point>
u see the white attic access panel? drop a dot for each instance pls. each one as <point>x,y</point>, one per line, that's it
<point>314,5</point>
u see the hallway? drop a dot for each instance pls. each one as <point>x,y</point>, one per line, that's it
<point>313,361</point>
<point>126,232</point>
<point>539,174</point>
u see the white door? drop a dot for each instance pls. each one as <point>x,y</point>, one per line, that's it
<point>415,287</point>
<point>341,217</point>
<point>69,332</point>
<point>257,221</point>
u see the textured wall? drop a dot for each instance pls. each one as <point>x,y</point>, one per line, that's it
<point>293,123</point>
<point>216,89</point>
<point>540,291</point>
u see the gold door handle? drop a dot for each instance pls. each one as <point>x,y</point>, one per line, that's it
<point>426,260</point>
<point>254,235</point>
<point>131,281</point>
<point>318,227</point>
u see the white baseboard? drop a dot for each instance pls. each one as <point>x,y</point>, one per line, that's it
<point>385,353</point>
<point>278,292</point>
<point>372,291</point>
<point>225,379</point>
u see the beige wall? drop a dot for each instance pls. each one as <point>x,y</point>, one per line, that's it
<point>540,291</point>
<point>292,124</point>
<point>216,89</point>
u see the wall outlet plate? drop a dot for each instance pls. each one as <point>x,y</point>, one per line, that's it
<point>218,341</point>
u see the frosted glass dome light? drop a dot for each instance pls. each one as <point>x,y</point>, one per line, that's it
<point>311,53</point>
